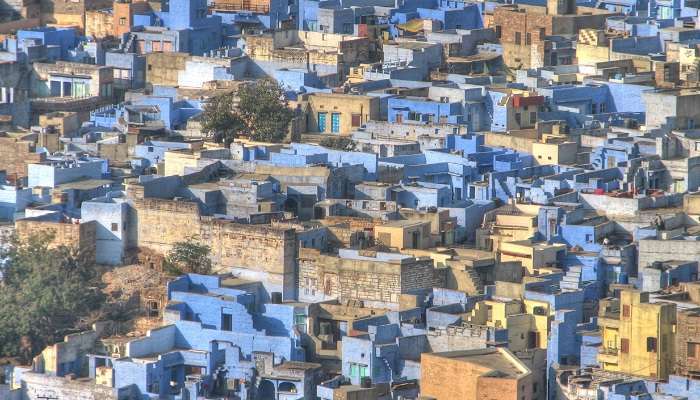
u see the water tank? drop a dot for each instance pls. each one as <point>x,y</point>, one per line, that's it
<point>276,297</point>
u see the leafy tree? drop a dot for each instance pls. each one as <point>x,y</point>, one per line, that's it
<point>46,293</point>
<point>259,110</point>
<point>220,118</point>
<point>189,256</point>
<point>338,143</point>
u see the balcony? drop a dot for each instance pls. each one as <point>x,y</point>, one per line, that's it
<point>240,5</point>
<point>608,355</point>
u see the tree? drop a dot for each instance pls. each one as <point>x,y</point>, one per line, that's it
<point>46,293</point>
<point>189,256</point>
<point>338,143</point>
<point>259,110</point>
<point>220,119</point>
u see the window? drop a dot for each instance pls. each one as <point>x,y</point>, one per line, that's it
<point>651,344</point>
<point>300,322</point>
<point>358,370</point>
<point>542,34</point>
<point>498,31</point>
<point>322,121</point>
<point>693,350</point>
<point>625,346</point>
<point>517,37</point>
<point>533,340</point>
<point>533,117</point>
<point>226,322</point>
<point>115,226</point>
<point>589,238</point>
<point>528,38</point>
<point>6,95</point>
<point>626,311</point>
<point>335,122</point>
<point>153,309</point>
<point>122,21</point>
<point>517,118</point>
<point>356,120</point>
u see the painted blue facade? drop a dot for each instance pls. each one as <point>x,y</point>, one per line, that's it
<point>424,110</point>
<point>211,334</point>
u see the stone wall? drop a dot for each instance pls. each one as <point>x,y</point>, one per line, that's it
<point>163,68</point>
<point>687,322</point>
<point>256,252</point>
<point>39,386</point>
<point>377,283</point>
<point>99,24</point>
<point>467,337</point>
<point>15,155</point>
<point>651,250</point>
<point>82,236</point>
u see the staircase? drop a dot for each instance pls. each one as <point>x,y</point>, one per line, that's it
<point>474,284</point>
<point>129,43</point>
<point>572,278</point>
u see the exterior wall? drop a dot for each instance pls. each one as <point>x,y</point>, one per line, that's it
<point>362,108</point>
<point>449,378</point>
<point>123,14</point>
<point>82,236</point>
<point>687,362</point>
<point>627,337</point>
<point>163,68</point>
<point>555,153</point>
<point>14,84</point>
<point>99,23</point>
<point>255,252</point>
<point>111,229</point>
<point>401,237</point>
<point>40,386</point>
<point>304,49</point>
<point>651,250</point>
<point>374,281</point>
<point>52,175</point>
<point>15,155</point>
<point>99,76</point>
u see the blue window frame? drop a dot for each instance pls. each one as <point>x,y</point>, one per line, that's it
<point>322,122</point>
<point>335,122</point>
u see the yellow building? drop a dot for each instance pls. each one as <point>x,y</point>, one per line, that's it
<point>555,151</point>
<point>592,47</point>
<point>404,234</point>
<point>509,223</point>
<point>527,323</point>
<point>534,256</point>
<point>638,336</point>
<point>338,113</point>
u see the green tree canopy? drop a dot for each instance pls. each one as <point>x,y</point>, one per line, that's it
<point>46,293</point>
<point>189,256</point>
<point>258,109</point>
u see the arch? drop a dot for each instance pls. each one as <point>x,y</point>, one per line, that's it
<point>266,390</point>
<point>287,387</point>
